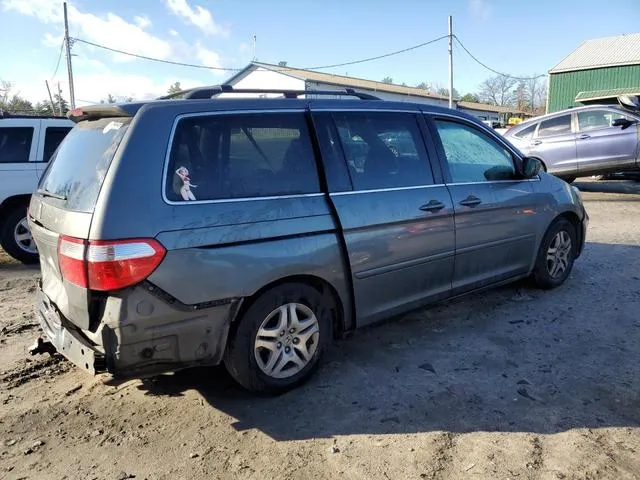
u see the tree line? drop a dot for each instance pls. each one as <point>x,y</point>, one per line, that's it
<point>525,94</point>
<point>528,95</point>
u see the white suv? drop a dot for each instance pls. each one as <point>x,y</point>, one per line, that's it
<point>26,144</point>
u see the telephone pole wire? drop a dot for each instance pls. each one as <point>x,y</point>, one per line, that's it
<point>67,42</point>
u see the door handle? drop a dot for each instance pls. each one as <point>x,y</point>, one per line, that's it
<point>471,201</point>
<point>584,136</point>
<point>433,206</point>
<point>536,142</point>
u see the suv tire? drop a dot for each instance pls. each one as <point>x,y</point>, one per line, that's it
<point>556,255</point>
<point>8,240</point>
<point>269,321</point>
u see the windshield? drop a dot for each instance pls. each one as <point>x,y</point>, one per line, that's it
<point>79,165</point>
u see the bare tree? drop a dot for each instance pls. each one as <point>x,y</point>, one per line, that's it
<point>541,97</point>
<point>534,91</point>
<point>497,90</point>
<point>5,91</point>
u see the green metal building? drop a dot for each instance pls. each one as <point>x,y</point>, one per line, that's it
<point>598,71</point>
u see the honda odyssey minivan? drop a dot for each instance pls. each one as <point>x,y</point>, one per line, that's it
<point>176,233</point>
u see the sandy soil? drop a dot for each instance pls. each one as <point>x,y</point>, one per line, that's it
<point>514,383</point>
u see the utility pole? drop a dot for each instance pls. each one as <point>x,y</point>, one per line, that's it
<point>59,100</point>
<point>53,105</point>
<point>67,42</point>
<point>450,61</point>
<point>254,48</point>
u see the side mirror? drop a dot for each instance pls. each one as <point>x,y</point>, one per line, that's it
<point>623,122</point>
<point>531,167</point>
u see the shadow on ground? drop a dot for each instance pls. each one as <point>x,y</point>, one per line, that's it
<point>511,359</point>
<point>609,186</point>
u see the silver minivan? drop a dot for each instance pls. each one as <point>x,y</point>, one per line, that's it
<point>583,141</point>
<point>206,230</point>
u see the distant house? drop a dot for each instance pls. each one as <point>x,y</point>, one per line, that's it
<point>598,71</point>
<point>266,76</point>
<point>493,113</point>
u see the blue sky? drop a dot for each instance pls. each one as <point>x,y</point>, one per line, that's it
<point>511,36</point>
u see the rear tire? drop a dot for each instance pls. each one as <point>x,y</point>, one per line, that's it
<point>277,343</point>
<point>15,236</point>
<point>556,255</point>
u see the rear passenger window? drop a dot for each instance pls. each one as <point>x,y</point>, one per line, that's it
<point>53,137</point>
<point>472,156</point>
<point>15,144</point>
<point>383,150</point>
<point>526,133</point>
<point>241,156</point>
<point>555,126</point>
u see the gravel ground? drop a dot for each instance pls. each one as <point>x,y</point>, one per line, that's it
<point>513,383</point>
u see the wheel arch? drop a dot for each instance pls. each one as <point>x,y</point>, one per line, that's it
<point>12,202</point>
<point>340,321</point>
<point>574,220</point>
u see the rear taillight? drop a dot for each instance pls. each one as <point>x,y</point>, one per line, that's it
<point>108,265</point>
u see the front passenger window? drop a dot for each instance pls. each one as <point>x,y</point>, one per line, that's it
<point>472,156</point>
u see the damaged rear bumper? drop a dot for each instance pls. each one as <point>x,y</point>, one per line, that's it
<point>139,334</point>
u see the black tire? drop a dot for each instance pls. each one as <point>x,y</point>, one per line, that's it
<point>569,179</point>
<point>240,359</point>
<point>542,275</point>
<point>8,240</point>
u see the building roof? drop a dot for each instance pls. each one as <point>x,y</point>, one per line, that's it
<point>485,107</point>
<point>603,94</point>
<point>339,80</point>
<point>344,81</point>
<point>602,52</point>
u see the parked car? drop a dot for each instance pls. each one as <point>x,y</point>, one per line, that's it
<point>583,141</point>
<point>176,233</point>
<point>26,144</point>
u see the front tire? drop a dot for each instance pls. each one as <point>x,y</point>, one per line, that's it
<point>556,255</point>
<point>277,343</point>
<point>16,238</point>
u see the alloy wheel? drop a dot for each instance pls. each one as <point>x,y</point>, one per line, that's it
<point>23,237</point>
<point>286,340</point>
<point>558,254</point>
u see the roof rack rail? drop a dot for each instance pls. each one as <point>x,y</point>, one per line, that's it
<point>212,91</point>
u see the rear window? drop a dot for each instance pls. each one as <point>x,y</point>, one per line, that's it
<point>241,156</point>
<point>79,166</point>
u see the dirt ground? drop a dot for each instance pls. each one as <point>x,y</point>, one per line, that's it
<point>515,383</point>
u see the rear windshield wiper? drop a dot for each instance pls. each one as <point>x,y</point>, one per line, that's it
<point>47,193</point>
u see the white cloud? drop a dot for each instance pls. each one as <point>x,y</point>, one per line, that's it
<point>198,16</point>
<point>93,87</point>
<point>110,29</point>
<point>50,40</point>
<point>44,10</point>
<point>480,9</point>
<point>173,33</point>
<point>142,21</point>
<point>207,57</point>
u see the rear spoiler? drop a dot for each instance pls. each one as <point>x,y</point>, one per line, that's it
<point>106,110</point>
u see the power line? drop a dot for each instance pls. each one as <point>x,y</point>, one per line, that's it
<point>58,62</point>
<point>144,57</point>
<point>390,54</point>
<point>282,69</point>
<point>491,69</point>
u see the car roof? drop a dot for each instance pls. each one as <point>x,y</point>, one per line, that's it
<point>534,120</point>
<point>190,106</point>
